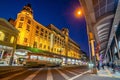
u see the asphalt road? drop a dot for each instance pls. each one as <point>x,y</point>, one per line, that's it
<point>56,73</point>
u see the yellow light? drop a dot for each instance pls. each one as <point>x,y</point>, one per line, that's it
<point>78,13</point>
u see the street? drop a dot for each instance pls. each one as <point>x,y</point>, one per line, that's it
<point>55,73</point>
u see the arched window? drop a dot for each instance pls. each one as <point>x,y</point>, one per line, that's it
<point>2,36</point>
<point>12,39</point>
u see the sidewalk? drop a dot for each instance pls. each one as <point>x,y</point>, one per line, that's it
<point>108,73</point>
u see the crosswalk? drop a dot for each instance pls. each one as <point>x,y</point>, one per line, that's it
<point>65,73</point>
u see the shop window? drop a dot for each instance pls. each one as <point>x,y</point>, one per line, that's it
<point>12,39</point>
<point>2,36</point>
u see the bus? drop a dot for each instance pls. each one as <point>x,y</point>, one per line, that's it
<point>42,60</point>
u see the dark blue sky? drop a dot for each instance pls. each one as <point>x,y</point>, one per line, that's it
<point>57,12</point>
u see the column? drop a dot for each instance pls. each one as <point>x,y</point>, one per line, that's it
<point>93,52</point>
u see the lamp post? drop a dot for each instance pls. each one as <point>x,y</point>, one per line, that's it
<point>91,39</point>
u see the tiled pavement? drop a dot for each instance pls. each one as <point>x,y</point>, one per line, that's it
<point>108,73</point>
<point>65,74</point>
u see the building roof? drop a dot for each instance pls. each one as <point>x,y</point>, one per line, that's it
<point>6,24</point>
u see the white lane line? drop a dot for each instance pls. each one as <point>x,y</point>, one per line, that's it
<point>49,75</point>
<point>30,77</point>
<point>9,77</point>
<point>64,75</point>
<point>71,72</point>
<point>79,75</point>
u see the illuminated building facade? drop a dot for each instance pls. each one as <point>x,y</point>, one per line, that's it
<point>8,40</point>
<point>50,38</point>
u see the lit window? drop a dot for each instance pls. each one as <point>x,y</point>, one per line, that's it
<point>12,39</point>
<point>2,36</point>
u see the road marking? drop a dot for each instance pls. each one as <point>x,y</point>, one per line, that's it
<point>79,75</point>
<point>9,77</point>
<point>77,71</point>
<point>30,77</point>
<point>64,75</point>
<point>49,75</point>
<point>71,72</point>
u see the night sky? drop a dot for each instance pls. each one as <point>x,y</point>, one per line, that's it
<point>57,12</point>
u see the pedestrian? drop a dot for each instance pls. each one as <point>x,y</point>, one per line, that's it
<point>103,65</point>
<point>98,65</point>
<point>108,65</point>
<point>113,66</point>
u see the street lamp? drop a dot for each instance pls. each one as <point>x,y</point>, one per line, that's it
<point>78,13</point>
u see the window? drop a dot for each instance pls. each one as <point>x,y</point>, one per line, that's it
<point>40,45</point>
<point>25,39</point>
<point>2,36</point>
<point>6,38</point>
<point>12,39</point>
<point>37,32</point>
<point>42,29</point>
<point>48,47</point>
<point>41,34</point>
<point>35,45</point>
<point>29,22</point>
<point>46,32</point>
<point>22,19</point>
<point>28,28</point>
<point>20,25</point>
<point>37,27</point>
<point>44,46</point>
